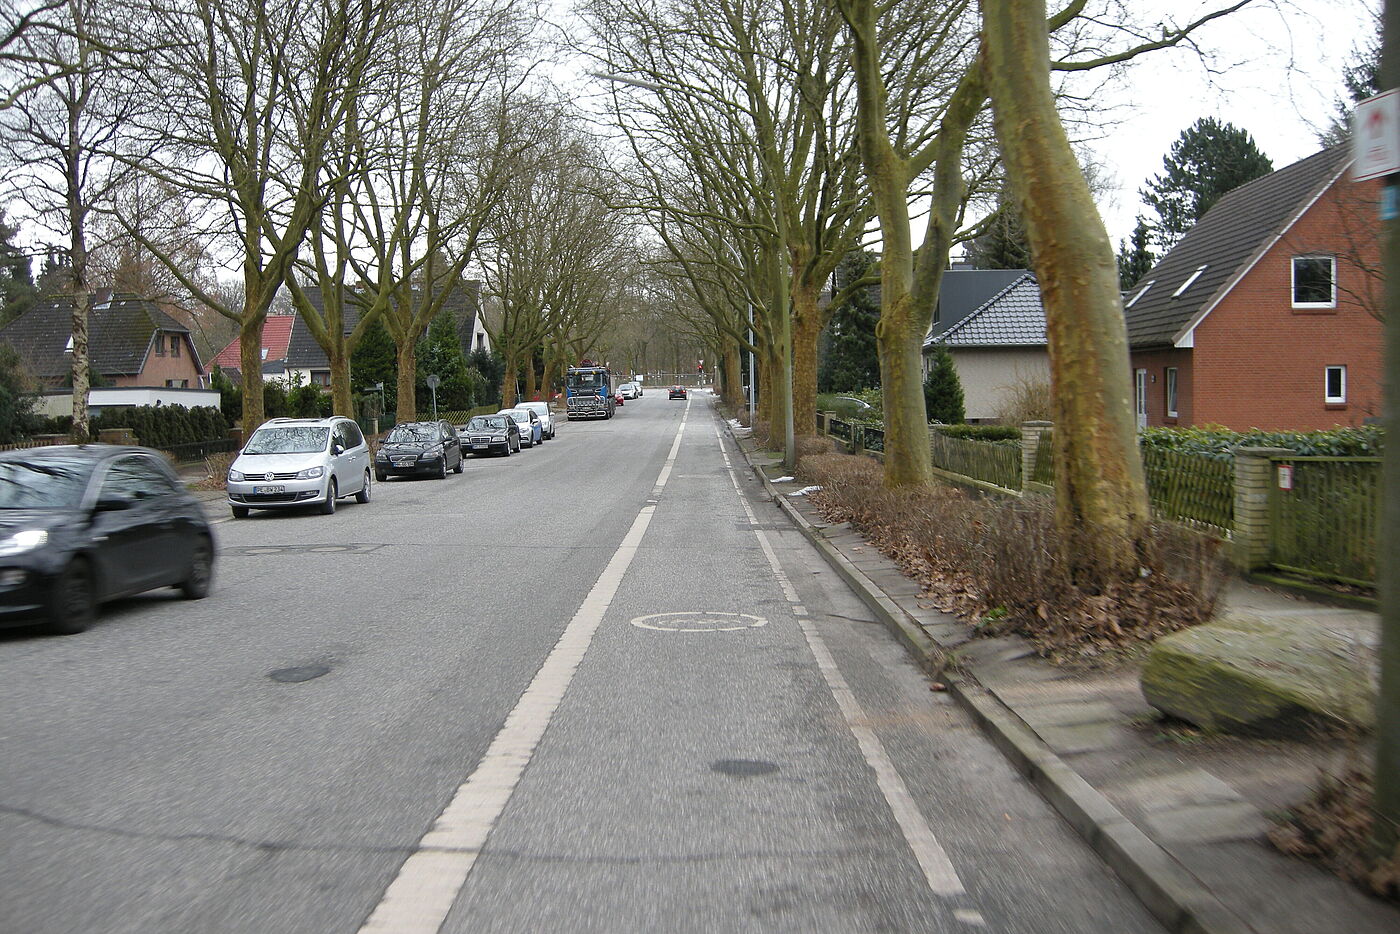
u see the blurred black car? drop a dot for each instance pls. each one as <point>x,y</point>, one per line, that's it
<point>80,525</point>
<point>418,449</point>
<point>490,434</point>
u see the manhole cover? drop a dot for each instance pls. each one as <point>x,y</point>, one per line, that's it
<point>743,768</point>
<point>298,674</point>
<point>699,622</point>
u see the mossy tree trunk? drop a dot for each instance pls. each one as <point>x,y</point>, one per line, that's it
<point>1101,495</point>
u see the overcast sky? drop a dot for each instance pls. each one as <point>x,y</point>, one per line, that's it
<point>1280,74</point>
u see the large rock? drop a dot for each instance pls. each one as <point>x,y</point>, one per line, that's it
<point>1259,676</point>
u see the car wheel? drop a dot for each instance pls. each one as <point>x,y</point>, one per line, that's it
<point>328,504</point>
<point>196,585</point>
<point>73,603</point>
<point>461,465</point>
<point>363,495</point>
<point>239,512</point>
<point>442,469</point>
<point>381,477</point>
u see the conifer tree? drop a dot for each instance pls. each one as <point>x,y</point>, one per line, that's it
<point>943,393</point>
<point>1208,160</point>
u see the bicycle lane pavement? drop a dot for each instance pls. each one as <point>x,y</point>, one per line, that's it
<point>738,750</point>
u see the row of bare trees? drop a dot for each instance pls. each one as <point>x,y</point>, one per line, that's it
<point>767,139</point>
<point>358,155</point>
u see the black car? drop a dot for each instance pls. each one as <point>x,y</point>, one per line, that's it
<point>418,449</point>
<point>490,434</point>
<point>84,524</point>
<point>677,392</point>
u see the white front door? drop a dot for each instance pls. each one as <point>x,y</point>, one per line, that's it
<point>1140,387</point>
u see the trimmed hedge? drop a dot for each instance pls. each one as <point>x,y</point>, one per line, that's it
<point>1218,442</point>
<point>165,426</point>
<point>981,432</point>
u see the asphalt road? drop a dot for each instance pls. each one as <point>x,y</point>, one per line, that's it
<point>595,686</point>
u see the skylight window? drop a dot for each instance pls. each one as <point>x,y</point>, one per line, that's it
<point>69,347</point>
<point>1133,301</point>
<point>1189,279</point>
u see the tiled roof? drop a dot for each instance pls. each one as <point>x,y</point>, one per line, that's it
<point>1014,317</point>
<point>276,330</point>
<point>963,291</point>
<point>304,353</point>
<point>1222,244</point>
<point>119,334</point>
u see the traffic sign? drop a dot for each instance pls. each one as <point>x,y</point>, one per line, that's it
<point>433,381</point>
<point>1375,136</point>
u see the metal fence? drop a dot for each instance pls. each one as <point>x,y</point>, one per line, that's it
<point>841,429</point>
<point>998,464</point>
<point>1324,516</point>
<point>1193,489</point>
<point>872,438</point>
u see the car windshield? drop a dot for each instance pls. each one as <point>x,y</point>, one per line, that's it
<point>407,434</point>
<point>519,415</point>
<point>288,439</point>
<point>484,422</point>
<point>43,483</point>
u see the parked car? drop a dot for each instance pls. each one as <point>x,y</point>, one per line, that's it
<point>84,524</point>
<point>617,397</point>
<point>629,390</point>
<point>300,462</point>
<point>489,434</point>
<point>531,432</point>
<point>546,417</point>
<point>419,449</point>
<point>677,392</point>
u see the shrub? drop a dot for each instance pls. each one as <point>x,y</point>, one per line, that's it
<point>165,426</point>
<point>997,563</point>
<point>943,392</point>
<point>1025,399</point>
<point>982,432</point>
<point>1219,442</point>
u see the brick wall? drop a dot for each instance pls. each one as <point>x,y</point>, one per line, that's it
<point>1156,363</point>
<point>159,368</point>
<point>1259,363</point>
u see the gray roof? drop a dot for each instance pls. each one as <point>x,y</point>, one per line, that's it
<point>304,353</point>
<point>1231,236</point>
<point>120,329</point>
<point>1013,317</point>
<point>963,291</point>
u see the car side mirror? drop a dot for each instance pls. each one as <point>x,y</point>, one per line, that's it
<point>112,504</point>
<point>338,449</point>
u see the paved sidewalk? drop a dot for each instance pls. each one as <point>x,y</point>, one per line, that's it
<point>1180,817</point>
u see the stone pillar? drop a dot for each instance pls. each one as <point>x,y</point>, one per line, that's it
<point>116,436</point>
<point>823,423</point>
<point>1254,479</point>
<point>1032,433</point>
<point>857,437</point>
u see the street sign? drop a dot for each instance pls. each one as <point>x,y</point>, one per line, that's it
<point>1285,476</point>
<point>1375,136</point>
<point>433,381</point>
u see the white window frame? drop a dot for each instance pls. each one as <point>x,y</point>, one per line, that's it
<point>1140,397</point>
<point>1189,279</point>
<point>1143,291</point>
<point>1328,397</point>
<point>1293,281</point>
<point>1170,380</point>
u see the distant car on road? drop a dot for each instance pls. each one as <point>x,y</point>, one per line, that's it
<point>677,392</point>
<point>300,462</point>
<point>489,434</point>
<point>546,418</point>
<point>531,432</point>
<point>629,391</point>
<point>419,449</point>
<point>83,524</point>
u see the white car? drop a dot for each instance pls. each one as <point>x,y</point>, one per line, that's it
<point>546,418</point>
<point>629,390</point>
<point>300,462</point>
<point>531,432</point>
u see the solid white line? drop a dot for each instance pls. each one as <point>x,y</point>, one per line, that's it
<point>938,869</point>
<point>427,884</point>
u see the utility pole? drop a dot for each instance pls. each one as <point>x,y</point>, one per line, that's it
<point>1386,827</point>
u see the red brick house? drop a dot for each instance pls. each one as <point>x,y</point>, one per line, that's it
<point>276,335</point>
<point>1266,314</point>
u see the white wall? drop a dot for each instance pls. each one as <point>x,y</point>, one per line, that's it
<point>61,403</point>
<point>986,373</point>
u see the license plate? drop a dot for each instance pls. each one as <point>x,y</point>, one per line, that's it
<point>478,447</point>
<point>404,461</point>
<point>269,489</point>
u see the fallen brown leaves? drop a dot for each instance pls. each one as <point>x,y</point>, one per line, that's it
<point>996,563</point>
<point>1333,827</point>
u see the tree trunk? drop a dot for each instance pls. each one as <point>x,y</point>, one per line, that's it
<point>508,381</point>
<point>732,364</point>
<point>806,331</point>
<point>80,431</point>
<point>1101,495</point>
<point>250,362</point>
<point>531,386</point>
<point>342,400</point>
<point>408,380</point>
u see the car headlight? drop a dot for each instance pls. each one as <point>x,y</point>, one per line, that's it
<point>20,542</point>
<point>381,456</point>
<point>310,473</point>
<point>429,455</point>
<point>500,437</point>
<point>235,475</point>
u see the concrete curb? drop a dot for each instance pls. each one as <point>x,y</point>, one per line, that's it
<point>1172,894</point>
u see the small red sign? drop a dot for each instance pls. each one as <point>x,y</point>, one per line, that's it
<point>1285,476</point>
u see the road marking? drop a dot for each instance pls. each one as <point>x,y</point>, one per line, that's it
<point>692,621</point>
<point>427,884</point>
<point>938,869</point>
